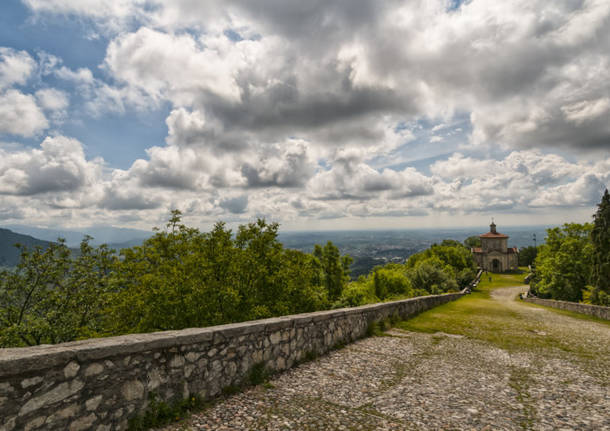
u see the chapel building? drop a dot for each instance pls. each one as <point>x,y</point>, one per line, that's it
<point>494,254</point>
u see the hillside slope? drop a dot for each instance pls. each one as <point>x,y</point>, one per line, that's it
<point>9,254</point>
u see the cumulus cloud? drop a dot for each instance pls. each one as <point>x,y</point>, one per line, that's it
<point>52,99</point>
<point>296,102</point>
<point>15,67</point>
<point>58,166</point>
<point>20,114</point>
<point>351,178</point>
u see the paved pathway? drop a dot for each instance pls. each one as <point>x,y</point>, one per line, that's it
<point>411,380</point>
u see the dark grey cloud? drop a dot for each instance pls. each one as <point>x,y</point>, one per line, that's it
<point>236,205</point>
<point>113,201</point>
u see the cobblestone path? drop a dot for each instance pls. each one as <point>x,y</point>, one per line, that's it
<point>558,377</point>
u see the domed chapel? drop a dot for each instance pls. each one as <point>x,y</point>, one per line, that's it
<point>494,254</point>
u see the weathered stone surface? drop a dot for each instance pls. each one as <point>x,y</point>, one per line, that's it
<point>133,390</point>
<point>31,382</point>
<point>58,393</point>
<point>592,310</point>
<point>409,380</point>
<point>6,388</point>
<point>9,425</point>
<point>114,374</point>
<point>71,370</point>
<point>34,423</point>
<point>83,423</point>
<point>94,369</point>
<point>177,362</point>
<point>67,412</point>
<point>92,403</point>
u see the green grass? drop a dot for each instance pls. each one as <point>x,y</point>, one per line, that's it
<point>478,316</point>
<point>501,280</point>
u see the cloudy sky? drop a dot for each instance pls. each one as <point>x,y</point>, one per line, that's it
<point>317,114</point>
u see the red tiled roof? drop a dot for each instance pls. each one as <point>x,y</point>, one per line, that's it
<point>477,250</point>
<point>493,235</point>
<point>513,250</point>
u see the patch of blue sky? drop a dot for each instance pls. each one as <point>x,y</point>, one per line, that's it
<point>453,5</point>
<point>120,138</point>
<point>76,42</point>
<point>434,140</point>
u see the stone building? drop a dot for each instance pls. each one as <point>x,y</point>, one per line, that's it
<point>494,254</point>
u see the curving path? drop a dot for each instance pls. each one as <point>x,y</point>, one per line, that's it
<point>500,364</point>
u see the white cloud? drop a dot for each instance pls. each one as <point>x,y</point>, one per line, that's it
<point>172,67</point>
<point>20,114</point>
<point>15,67</point>
<point>58,166</point>
<point>52,99</point>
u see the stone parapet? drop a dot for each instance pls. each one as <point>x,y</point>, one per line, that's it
<point>99,384</point>
<point>576,307</point>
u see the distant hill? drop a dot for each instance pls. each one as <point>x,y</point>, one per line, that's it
<point>110,235</point>
<point>9,254</point>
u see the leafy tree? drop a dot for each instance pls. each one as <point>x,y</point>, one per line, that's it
<point>564,262</point>
<point>527,255</point>
<point>334,269</point>
<point>456,261</point>
<point>52,297</point>
<point>391,280</point>
<point>472,242</point>
<point>599,293</point>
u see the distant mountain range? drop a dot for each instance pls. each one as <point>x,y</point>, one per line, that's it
<point>116,238</point>
<point>9,254</point>
<point>113,236</point>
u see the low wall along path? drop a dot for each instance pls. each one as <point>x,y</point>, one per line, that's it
<point>575,307</point>
<point>99,384</point>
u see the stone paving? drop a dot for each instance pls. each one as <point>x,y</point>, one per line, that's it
<point>417,381</point>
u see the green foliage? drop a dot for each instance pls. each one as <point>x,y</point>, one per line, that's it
<point>184,278</point>
<point>527,255</point>
<point>599,292</point>
<point>181,277</point>
<point>333,267</point>
<point>258,374</point>
<point>564,263</point>
<point>442,268</point>
<point>52,297</point>
<point>472,242</point>
<point>160,413</point>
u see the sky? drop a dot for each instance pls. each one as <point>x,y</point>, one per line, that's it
<point>342,114</point>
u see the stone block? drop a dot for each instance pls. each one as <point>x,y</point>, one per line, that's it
<point>84,423</point>
<point>133,390</point>
<point>71,370</point>
<point>92,403</point>
<point>58,393</point>
<point>94,369</point>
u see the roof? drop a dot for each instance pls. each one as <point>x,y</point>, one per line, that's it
<point>493,235</point>
<point>477,250</point>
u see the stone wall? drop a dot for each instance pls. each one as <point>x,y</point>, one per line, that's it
<point>98,384</point>
<point>592,310</point>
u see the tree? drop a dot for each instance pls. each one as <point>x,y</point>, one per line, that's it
<point>472,242</point>
<point>334,269</point>
<point>599,293</point>
<point>527,255</point>
<point>52,297</point>
<point>564,263</point>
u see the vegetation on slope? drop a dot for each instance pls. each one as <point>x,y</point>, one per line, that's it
<point>181,277</point>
